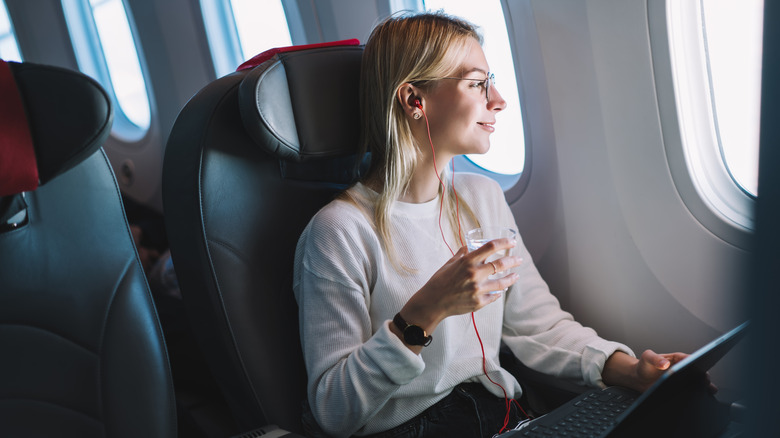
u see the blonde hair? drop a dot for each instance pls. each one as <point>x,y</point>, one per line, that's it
<point>415,49</point>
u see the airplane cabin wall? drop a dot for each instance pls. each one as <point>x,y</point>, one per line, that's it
<point>177,63</point>
<point>601,214</point>
<point>334,20</point>
<point>42,38</point>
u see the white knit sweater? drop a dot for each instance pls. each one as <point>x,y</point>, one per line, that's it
<point>362,379</point>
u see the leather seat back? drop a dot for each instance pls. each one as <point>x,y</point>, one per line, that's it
<point>81,346</point>
<point>249,161</point>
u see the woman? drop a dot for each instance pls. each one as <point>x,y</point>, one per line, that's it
<point>395,312</point>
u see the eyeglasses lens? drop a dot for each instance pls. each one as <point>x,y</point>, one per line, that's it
<point>490,81</point>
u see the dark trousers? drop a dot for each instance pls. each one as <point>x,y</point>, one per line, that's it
<point>469,411</point>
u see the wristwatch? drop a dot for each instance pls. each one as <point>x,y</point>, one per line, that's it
<point>413,334</point>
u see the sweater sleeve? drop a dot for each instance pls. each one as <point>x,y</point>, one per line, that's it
<point>548,339</point>
<point>542,335</point>
<point>353,369</point>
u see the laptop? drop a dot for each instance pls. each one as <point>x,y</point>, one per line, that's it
<point>677,404</point>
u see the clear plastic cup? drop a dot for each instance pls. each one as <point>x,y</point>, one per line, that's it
<point>479,236</point>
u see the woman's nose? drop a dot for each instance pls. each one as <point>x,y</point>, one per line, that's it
<point>496,101</point>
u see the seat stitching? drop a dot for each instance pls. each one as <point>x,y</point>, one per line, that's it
<point>46,330</point>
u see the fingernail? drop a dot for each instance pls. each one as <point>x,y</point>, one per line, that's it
<point>664,364</point>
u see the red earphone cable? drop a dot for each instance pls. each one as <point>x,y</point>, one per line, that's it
<point>443,187</point>
<point>507,401</point>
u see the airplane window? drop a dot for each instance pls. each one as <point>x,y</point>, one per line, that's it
<point>507,151</point>
<point>105,49</point>
<point>715,52</point>
<point>9,49</point>
<point>240,29</point>
<point>733,32</point>
<point>261,25</point>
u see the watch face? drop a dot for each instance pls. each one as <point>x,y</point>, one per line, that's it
<point>414,335</point>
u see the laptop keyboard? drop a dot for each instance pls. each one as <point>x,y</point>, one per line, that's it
<point>589,415</point>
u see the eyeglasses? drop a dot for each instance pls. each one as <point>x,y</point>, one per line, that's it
<point>486,83</point>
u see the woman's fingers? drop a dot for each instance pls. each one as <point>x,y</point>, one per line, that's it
<point>503,264</point>
<point>488,298</point>
<point>497,285</point>
<point>484,252</point>
<point>463,284</point>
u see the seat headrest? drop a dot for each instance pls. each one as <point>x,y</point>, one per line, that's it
<point>18,168</point>
<point>302,103</point>
<point>51,119</point>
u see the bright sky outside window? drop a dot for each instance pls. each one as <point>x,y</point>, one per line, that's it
<point>716,91</point>
<point>733,34</point>
<point>261,25</point>
<point>9,49</point>
<point>507,150</point>
<point>121,57</point>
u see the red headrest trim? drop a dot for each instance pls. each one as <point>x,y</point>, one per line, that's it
<point>18,168</point>
<point>268,54</point>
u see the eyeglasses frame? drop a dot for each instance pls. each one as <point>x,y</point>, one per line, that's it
<point>489,81</point>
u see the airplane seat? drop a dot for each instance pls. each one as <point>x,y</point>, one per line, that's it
<point>81,346</point>
<point>250,159</point>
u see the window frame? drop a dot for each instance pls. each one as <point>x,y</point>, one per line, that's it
<point>92,61</point>
<point>17,55</point>
<point>514,185</point>
<point>223,37</point>
<point>715,108</point>
<point>690,138</point>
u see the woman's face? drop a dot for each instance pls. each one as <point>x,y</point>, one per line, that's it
<point>461,117</point>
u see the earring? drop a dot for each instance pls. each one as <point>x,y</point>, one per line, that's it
<point>417,116</point>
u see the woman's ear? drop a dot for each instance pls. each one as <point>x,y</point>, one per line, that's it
<point>410,100</point>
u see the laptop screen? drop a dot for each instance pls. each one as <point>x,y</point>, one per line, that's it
<point>684,384</point>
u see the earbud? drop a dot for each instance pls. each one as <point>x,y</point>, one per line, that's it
<point>417,104</point>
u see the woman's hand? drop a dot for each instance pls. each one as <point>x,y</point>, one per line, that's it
<point>638,374</point>
<point>462,285</point>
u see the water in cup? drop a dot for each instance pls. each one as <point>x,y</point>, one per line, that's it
<point>479,236</point>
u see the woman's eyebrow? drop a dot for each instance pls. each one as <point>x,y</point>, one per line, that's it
<point>474,70</point>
